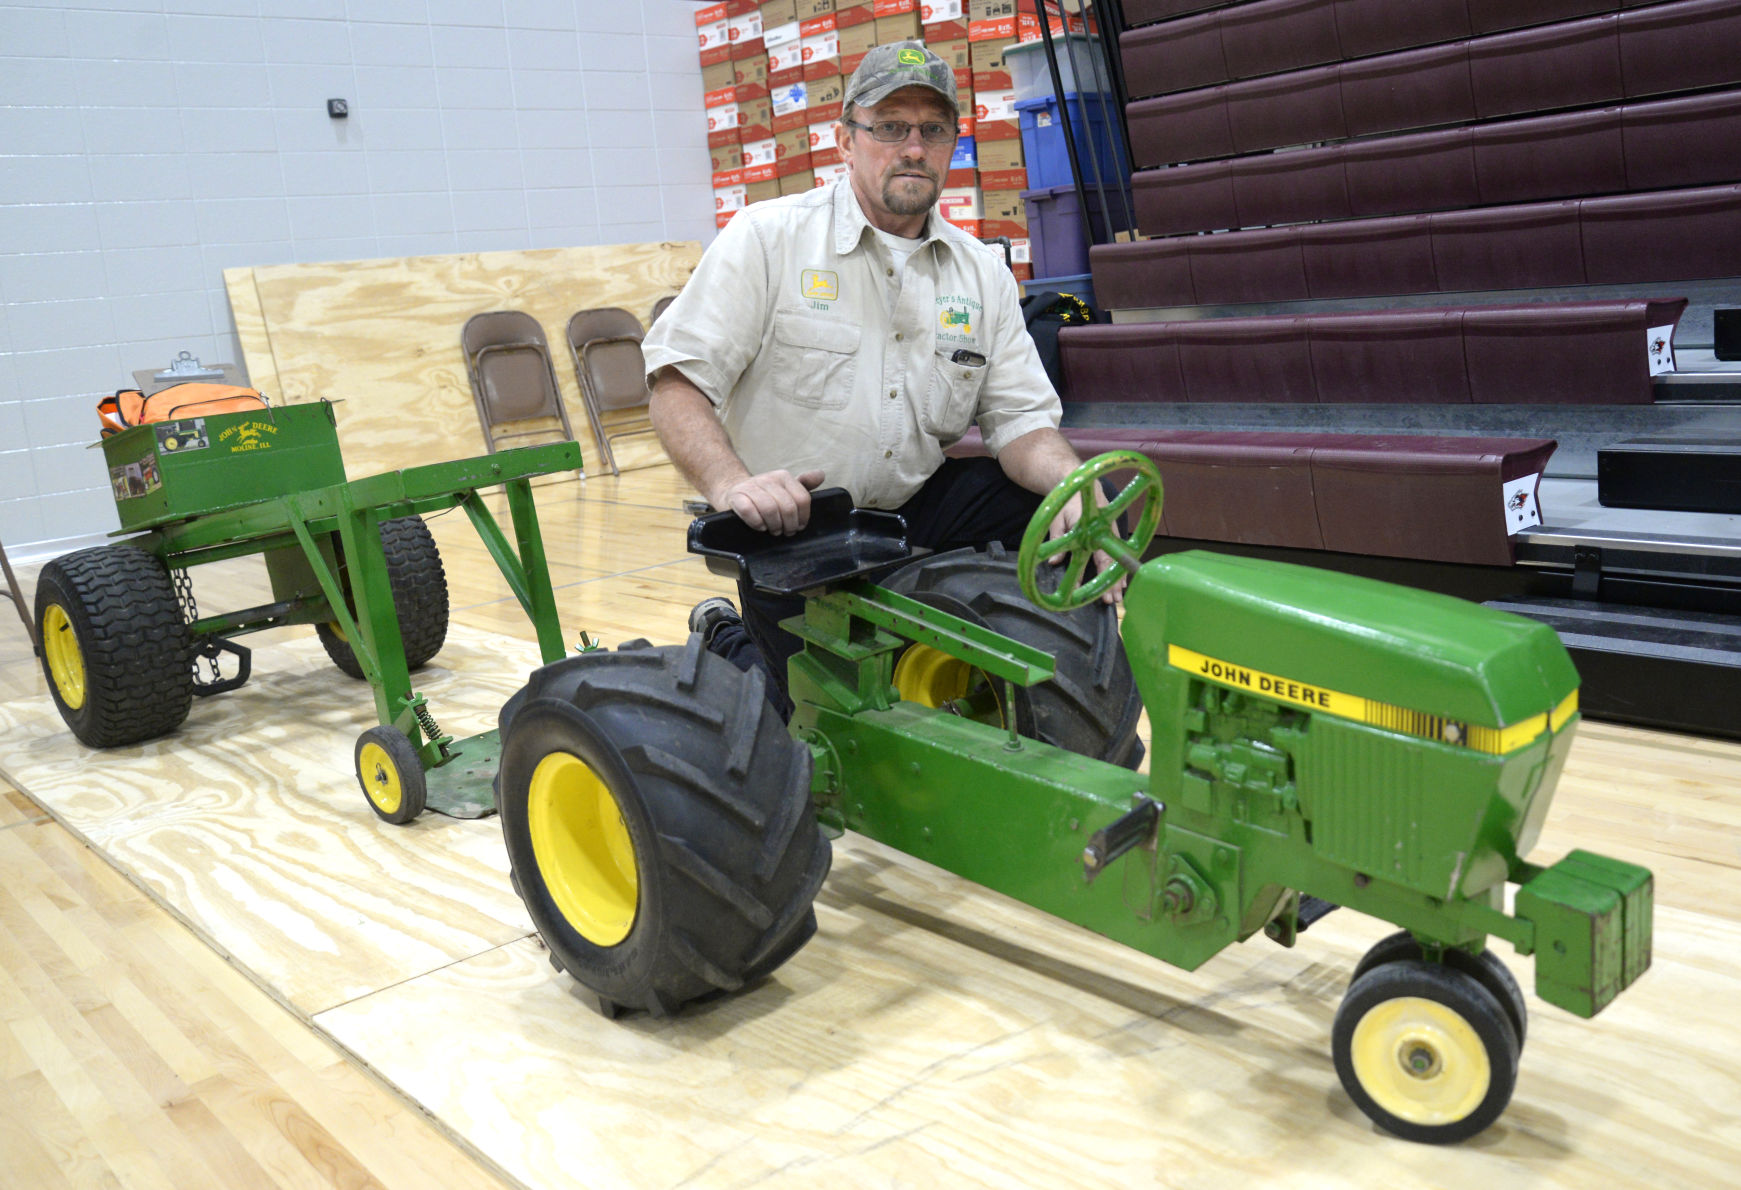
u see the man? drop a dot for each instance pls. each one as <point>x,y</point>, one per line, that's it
<point>846,337</point>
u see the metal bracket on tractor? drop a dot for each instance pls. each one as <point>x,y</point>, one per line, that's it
<point>122,635</point>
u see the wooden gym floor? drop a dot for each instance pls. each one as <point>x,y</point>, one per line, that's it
<point>218,968</point>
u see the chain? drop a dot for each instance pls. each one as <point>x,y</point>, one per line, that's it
<point>206,654</point>
<point>184,594</point>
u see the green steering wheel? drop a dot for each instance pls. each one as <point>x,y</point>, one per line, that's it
<point>1096,530</point>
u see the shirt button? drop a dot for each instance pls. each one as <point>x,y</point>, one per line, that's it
<point>890,272</point>
<point>897,336</point>
<point>891,394</point>
<point>888,454</point>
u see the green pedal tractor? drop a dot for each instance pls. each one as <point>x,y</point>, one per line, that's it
<point>126,651</point>
<point>1317,738</point>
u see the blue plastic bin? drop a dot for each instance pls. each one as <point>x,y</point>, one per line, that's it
<point>1055,226</point>
<point>1081,285</point>
<point>1048,157</point>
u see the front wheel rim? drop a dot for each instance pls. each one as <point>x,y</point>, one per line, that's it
<point>581,843</point>
<point>1421,1061</point>
<point>66,661</point>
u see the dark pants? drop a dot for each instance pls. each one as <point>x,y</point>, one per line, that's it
<point>967,502</point>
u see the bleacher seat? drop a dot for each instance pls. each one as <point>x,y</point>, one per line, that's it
<point>1429,498</point>
<point>1368,27</point>
<point>1277,35</point>
<point>1423,171</point>
<point>1568,154</point>
<point>1591,352</point>
<point>1569,64</point>
<point>1289,187</point>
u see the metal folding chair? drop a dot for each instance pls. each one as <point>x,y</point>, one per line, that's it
<point>606,346</point>
<point>507,360</point>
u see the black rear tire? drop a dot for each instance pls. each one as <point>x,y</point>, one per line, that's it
<point>1091,705</point>
<point>115,647</point>
<point>659,824</point>
<point>419,584</point>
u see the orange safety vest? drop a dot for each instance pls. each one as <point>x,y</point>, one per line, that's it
<point>130,407</point>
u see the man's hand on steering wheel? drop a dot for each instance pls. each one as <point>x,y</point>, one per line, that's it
<point>776,502</point>
<point>1067,519</point>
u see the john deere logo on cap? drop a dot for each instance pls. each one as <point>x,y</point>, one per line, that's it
<point>910,57</point>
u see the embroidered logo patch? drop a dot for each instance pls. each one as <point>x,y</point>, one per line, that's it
<point>957,317</point>
<point>821,285</point>
<point>910,57</point>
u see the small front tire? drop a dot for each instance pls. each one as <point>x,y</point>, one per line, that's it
<point>391,774</point>
<point>1485,967</point>
<point>1425,1050</point>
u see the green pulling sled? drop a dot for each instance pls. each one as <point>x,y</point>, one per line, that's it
<point>126,650</point>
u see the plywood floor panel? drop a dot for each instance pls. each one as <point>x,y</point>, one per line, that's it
<point>249,821</point>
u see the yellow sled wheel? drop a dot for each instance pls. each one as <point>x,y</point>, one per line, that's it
<point>391,774</point>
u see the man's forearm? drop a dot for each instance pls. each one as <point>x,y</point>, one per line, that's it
<point>683,418</point>
<point>1039,460</point>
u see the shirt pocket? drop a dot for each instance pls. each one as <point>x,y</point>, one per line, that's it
<point>952,397</point>
<point>815,360</point>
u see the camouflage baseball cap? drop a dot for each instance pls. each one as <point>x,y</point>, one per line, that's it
<point>888,68</point>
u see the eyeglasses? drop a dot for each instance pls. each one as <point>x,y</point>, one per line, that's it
<point>892,132</point>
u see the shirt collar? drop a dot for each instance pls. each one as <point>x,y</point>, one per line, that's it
<point>850,225</point>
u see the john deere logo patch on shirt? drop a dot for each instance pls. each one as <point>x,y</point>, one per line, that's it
<point>910,57</point>
<point>820,285</point>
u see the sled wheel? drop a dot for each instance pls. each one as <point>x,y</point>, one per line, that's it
<point>419,585</point>
<point>391,774</point>
<point>1090,706</point>
<point>1425,1050</point>
<point>659,825</point>
<point>1485,967</point>
<point>115,648</point>
<point>1096,530</point>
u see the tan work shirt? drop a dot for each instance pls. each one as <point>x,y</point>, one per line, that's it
<point>786,327</point>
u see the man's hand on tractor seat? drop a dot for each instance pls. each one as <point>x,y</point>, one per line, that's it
<point>775,502</point>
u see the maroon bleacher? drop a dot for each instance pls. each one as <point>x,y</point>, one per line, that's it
<point>1590,353</point>
<point>1693,140</point>
<point>1430,498</point>
<point>1674,235</point>
<point>1177,69</point>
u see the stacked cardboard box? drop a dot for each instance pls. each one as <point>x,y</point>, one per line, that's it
<point>775,75</point>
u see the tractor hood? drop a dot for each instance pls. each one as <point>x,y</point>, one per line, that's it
<point>1255,623</point>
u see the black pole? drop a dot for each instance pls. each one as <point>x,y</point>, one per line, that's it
<point>1109,93</point>
<point>1069,134</point>
<point>1082,97</point>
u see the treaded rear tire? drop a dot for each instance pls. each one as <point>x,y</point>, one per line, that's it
<point>715,799</point>
<point>1091,705</point>
<point>131,639</point>
<point>419,584</point>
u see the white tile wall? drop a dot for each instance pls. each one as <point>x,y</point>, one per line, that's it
<point>147,145</point>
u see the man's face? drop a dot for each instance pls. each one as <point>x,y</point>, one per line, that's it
<point>897,184</point>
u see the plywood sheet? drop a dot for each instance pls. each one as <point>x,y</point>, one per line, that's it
<point>382,336</point>
<point>249,822</point>
<point>937,1034</point>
